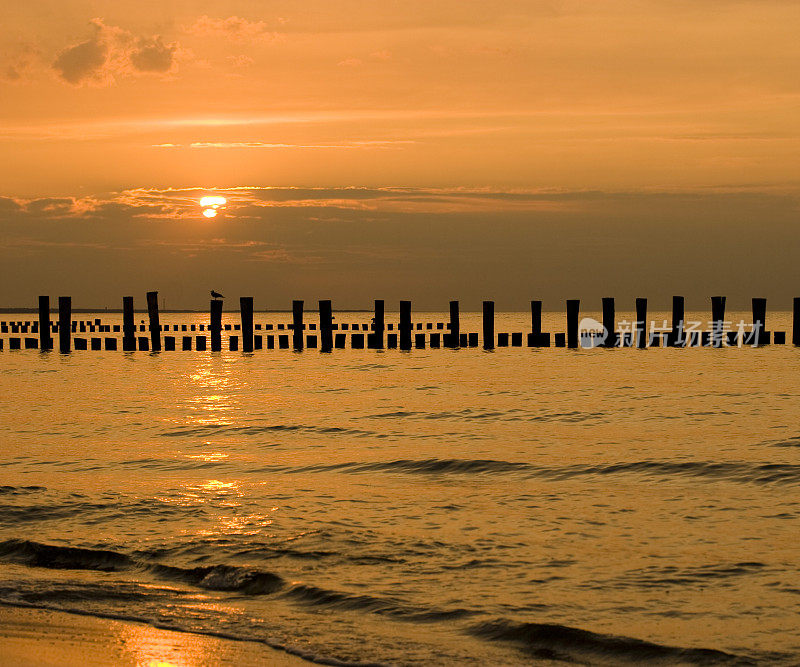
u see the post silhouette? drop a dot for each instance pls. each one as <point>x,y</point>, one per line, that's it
<point>535,338</point>
<point>405,325</point>
<point>488,325</point>
<point>45,339</point>
<point>155,325</point>
<point>717,319</point>
<point>609,323</point>
<point>326,325</point>
<point>641,323</point>
<point>215,325</point>
<point>375,340</point>
<point>455,326</point>
<point>760,335</point>
<point>297,325</point>
<point>678,326</point>
<point>128,327</point>
<point>536,318</point>
<point>64,323</point>
<point>573,308</point>
<point>796,321</point>
<point>246,308</point>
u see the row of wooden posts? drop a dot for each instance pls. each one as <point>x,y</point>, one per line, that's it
<point>376,338</point>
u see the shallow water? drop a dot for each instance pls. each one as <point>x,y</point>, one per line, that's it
<point>426,507</point>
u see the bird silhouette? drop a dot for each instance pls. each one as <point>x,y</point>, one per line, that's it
<point>216,295</point>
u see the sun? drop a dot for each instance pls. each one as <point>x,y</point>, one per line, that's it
<point>211,204</point>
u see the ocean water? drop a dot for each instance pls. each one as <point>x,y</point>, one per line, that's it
<point>432,507</point>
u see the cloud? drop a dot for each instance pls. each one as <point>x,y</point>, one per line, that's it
<point>260,203</point>
<point>350,62</point>
<point>356,243</point>
<point>85,61</point>
<point>234,28</point>
<point>152,55</point>
<point>112,52</point>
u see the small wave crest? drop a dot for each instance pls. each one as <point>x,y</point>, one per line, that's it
<point>732,471</point>
<point>320,597</point>
<point>560,642</point>
<point>214,577</point>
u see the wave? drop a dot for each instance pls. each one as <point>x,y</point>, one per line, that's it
<point>225,578</point>
<point>560,642</point>
<point>220,429</point>
<point>793,441</point>
<point>669,576</point>
<point>321,597</point>
<point>20,490</point>
<point>423,466</point>
<point>512,414</point>
<point>765,473</point>
<point>754,473</point>
<point>538,640</point>
<point>213,577</point>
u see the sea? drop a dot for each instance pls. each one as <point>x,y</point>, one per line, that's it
<point>427,507</point>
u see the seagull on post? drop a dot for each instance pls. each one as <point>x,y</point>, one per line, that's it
<point>216,295</point>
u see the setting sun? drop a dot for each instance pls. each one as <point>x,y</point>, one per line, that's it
<point>211,204</point>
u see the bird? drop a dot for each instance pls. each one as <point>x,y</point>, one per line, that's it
<point>216,295</point>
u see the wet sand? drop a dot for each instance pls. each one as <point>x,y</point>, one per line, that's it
<point>37,637</point>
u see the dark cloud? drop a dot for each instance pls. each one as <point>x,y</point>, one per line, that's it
<point>152,55</point>
<point>84,61</point>
<point>9,206</point>
<point>112,52</point>
<point>627,244</point>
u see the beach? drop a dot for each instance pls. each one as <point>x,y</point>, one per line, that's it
<point>44,638</point>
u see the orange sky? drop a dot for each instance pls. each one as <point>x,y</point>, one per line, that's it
<point>549,114</point>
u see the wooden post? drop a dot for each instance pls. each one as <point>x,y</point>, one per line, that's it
<point>297,325</point>
<point>246,311</point>
<point>405,325</point>
<point>128,327</point>
<point>609,321</point>
<point>717,319</point>
<point>535,338</point>
<point>155,325</point>
<point>678,324</point>
<point>640,332</point>
<point>375,340</point>
<point>326,325</point>
<point>488,325</point>
<point>215,325</point>
<point>455,326</point>
<point>760,336</point>
<point>536,319</point>
<point>796,321</point>
<point>64,323</point>
<point>573,307</point>
<point>45,339</point>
